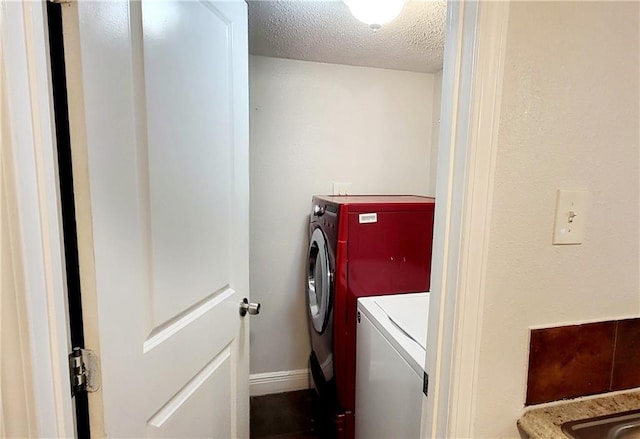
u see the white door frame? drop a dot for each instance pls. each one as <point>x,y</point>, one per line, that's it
<point>476,35</point>
<point>471,94</point>
<point>26,76</point>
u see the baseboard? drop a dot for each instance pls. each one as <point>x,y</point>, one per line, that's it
<point>278,382</point>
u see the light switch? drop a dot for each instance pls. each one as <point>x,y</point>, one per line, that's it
<point>342,188</point>
<point>570,217</point>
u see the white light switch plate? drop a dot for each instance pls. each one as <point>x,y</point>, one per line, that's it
<point>342,188</point>
<point>571,209</point>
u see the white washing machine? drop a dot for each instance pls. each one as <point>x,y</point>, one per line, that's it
<point>391,350</point>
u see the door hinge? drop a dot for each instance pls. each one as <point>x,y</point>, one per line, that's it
<point>85,371</point>
<point>425,384</point>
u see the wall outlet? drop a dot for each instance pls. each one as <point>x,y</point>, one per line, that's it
<point>342,188</point>
<point>571,209</point>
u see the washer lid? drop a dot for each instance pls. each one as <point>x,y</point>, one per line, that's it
<point>410,313</point>
<point>413,308</point>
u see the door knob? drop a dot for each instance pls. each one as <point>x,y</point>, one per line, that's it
<point>251,308</point>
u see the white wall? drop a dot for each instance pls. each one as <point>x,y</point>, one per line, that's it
<point>313,124</point>
<point>569,119</point>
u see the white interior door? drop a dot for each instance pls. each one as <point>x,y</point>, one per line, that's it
<point>158,98</point>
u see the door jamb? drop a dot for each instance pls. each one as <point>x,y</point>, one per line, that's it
<point>26,77</point>
<point>472,83</point>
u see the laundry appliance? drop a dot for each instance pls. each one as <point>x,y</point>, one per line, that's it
<point>390,375</point>
<point>359,246</point>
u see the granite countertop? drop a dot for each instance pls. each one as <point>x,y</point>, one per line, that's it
<point>545,422</point>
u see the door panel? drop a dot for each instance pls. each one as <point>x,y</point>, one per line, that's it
<point>159,132</point>
<point>190,127</point>
<point>209,387</point>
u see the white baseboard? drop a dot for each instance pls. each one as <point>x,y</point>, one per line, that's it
<point>278,382</point>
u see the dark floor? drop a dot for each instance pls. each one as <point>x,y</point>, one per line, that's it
<point>298,415</point>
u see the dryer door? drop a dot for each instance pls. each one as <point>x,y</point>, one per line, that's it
<point>318,281</point>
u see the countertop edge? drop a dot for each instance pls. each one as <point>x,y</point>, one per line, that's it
<point>545,422</point>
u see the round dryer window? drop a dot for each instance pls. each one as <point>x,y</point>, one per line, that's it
<point>318,281</point>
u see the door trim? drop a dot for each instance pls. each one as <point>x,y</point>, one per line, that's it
<point>472,85</point>
<point>26,72</point>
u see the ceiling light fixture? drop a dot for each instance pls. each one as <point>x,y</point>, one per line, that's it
<point>375,12</point>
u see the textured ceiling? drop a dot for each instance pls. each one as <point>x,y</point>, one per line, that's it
<point>325,31</point>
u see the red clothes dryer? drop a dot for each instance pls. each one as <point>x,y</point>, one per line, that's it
<point>359,246</point>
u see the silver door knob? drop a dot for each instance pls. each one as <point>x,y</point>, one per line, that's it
<point>251,308</point>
